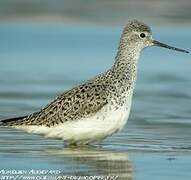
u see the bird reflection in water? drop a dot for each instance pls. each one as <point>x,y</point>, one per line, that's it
<point>110,164</point>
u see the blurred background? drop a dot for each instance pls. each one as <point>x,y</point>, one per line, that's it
<point>49,46</point>
<point>100,11</point>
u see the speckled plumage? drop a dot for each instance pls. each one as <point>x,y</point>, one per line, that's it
<point>98,100</point>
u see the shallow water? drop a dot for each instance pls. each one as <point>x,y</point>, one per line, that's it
<point>38,62</point>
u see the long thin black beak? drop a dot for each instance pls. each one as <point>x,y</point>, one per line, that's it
<point>157,43</point>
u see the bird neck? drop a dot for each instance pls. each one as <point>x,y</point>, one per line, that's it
<point>125,66</point>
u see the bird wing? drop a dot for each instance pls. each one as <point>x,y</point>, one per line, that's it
<point>74,104</point>
<point>4,121</point>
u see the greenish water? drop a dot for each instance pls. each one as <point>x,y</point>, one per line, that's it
<point>38,62</point>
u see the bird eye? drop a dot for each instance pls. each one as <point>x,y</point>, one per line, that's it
<point>142,35</point>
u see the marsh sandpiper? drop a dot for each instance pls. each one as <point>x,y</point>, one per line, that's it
<point>99,107</point>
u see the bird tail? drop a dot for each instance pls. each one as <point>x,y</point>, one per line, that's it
<point>11,121</point>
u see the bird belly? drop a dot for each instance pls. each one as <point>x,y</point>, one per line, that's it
<point>100,125</point>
